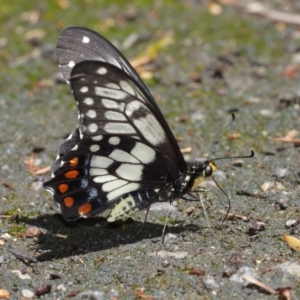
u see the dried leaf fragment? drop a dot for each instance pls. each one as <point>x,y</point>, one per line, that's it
<point>259,283</point>
<point>4,294</point>
<point>140,293</point>
<point>293,242</point>
<point>289,137</point>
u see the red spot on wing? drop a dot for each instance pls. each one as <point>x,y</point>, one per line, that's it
<point>63,187</point>
<point>71,174</point>
<point>85,209</point>
<point>68,201</point>
<point>74,161</point>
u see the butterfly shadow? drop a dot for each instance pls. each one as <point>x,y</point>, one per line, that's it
<point>63,239</point>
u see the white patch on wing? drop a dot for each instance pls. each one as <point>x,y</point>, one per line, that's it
<point>122,190</point>
<point>84,89</point>
<point>71,64</point>
<point>106,92</point>
<point>113,104</point>
<point>98,171</point>
<point>70,136</point>
<point>102,71</point>
<point>132,107</point>
<point>114,115</point>
<point>150,129</point>
<point>97,137</point>
<point>114,140</point>
<point>98,161</point>
<point>130,172</point>
<point>143,153</point>
<point>122,156</point>
<point>88,101</point>
<point>119,128</point>
<point>91,113</point>
<point>104,178</point>
<point>127,87</point>
<point>112,185</point>
<point>75,148</point>
<point>94,148</point>
<point>85,39</point>
<point>81,130</point>
<point>92,127</point>
<point>112,86</point>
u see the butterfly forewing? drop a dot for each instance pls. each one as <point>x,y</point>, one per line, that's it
<point>76,44</point>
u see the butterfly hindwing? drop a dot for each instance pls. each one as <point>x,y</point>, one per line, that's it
<point>106,173</point>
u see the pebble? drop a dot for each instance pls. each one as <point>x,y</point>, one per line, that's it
<point>290,223</point>
<point>92,295</point>
<point>27,293</point>
<point>210,283</point>
<point>281,172</point>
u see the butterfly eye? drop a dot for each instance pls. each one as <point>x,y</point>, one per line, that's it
<point>208,171</point>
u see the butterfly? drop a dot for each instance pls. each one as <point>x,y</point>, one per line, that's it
<point>123,156</point>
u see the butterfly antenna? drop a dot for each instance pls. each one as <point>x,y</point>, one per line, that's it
<point>216,141</point>
<point>229,157</point>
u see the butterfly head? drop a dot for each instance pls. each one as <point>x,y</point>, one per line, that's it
<point>200,171</point>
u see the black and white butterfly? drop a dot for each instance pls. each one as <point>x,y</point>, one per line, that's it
<point>123,156</point>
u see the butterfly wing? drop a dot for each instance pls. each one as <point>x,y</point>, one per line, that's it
<point>120,154</point>
<point>123,152</point>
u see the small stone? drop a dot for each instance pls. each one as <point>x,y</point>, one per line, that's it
<point>6,236</point>
<point>61,287</point>
<point>283,204</point>
<point>170,237</point>
<point>21,275</point>
<point>92,295</point>
<point>165,263</point>
<point>272,185</point>
<point>210,283</point>
<point>290,223</point>
<point>281,172</point>
<point>27,293</point>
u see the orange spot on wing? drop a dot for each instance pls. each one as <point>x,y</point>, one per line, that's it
<point>63,187</point>
<point>68,201</point>
<point>71,174</point>
<point>85,209</point>
<point>74,162</point>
